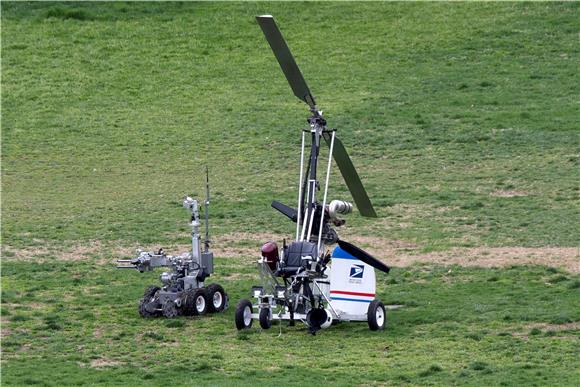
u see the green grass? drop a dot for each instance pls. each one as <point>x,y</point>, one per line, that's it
<point>457,327</point>
<point>110,112</point>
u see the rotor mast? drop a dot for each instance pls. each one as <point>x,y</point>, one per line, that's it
<point>317,126</point>
<point>305,214</point>
<point>307,209</point>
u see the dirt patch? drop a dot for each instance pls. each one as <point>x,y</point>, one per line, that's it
<point>26,305</point>
<point>95,251</point>
<point>103,362</point>
<point>239,276</point>
<point>4,331</point>
<point>446,209</point>
<point>402,253</point>
<point>80,252</point>
<point>76,252</point>
<point>508,194</point>
<point>25,348</point>
<point>242,244</point>
<point>567,258</point>
<point>11,253</point>
<point>523,336</point>
<point>396,253</point>
<point>544,327</point>
<point>556,327</point>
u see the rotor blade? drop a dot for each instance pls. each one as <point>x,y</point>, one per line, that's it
<point>284,209</point>
<point>363,203</point>
<point>363,256</point>
<point>285,58</point>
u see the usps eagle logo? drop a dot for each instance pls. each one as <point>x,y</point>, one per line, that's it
<point>356,271</point>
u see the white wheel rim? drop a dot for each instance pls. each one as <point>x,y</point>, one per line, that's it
<point>200,304</point>
<point>380,316</point>
<point>217,300</point>
<point>247,315</point>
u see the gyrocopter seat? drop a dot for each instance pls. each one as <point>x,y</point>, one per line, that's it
<point>297,256</point>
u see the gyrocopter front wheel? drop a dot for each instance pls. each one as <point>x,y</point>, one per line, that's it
<point>243,314</point>
<point>266,318</point>
<point>376,316</point>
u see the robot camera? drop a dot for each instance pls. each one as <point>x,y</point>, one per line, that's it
<point>188,202</point>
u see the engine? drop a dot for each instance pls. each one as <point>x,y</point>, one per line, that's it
<point>339,207</point>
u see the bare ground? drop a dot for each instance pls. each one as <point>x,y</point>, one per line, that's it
<point>551,328</point>
<point>556,327</point>
<point>4,331</point>
<point>393,252</point>
<point>103,362</point>
<point>508,193</point>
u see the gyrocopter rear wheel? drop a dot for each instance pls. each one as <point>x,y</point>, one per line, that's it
<point>376,316</point>
<point>266,318</point>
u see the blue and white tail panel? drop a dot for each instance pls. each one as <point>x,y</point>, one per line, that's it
<point>352,283</point>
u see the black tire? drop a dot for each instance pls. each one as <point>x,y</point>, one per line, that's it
<point>241,314</point>
<point>200,302</point>
<point>194,302</point>
<point>148,303</point>
<point>150,291</point>
<point>265,320</point>
<point>169,309</point>
<point>376,316</point>
<point>143,308</point>
<point>217,298</point>
<point>187,303</point>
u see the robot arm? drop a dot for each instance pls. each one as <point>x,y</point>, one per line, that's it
<point>146,261</point>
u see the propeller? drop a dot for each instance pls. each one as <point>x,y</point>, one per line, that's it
<point>350,176</point>
<point>286,60</point>
<point>284,209</point>
<point>301,90</point>
<point>362,255</point>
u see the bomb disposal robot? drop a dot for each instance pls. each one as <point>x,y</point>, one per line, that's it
<point>183,291</point>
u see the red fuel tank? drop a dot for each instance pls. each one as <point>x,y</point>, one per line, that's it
<point>270,254</point>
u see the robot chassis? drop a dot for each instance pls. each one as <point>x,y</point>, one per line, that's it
<point>183,292</point>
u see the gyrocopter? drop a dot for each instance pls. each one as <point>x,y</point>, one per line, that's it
<point>304,280</point>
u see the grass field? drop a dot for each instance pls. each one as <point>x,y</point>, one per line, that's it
<point>462,120</point>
